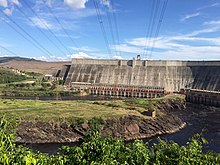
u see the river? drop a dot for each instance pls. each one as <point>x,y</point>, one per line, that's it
<point>87,97</point>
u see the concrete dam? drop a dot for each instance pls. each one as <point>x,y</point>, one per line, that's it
<point>169,75</point>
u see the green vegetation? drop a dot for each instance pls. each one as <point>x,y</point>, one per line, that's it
<point>36,92</point>
<point>29,84</point>
<point>99,150</point>
<point>57,110</point>
<point>7,76</point>
<point>142,105</point>
<point>85,110</point>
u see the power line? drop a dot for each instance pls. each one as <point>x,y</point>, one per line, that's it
<point>64,30</point>
<point>102,27</point>
<point>159,25</point>
<point>148,27</point>
<point>116,27</point>
<point>33,41</point>
<point>41,31</point>
<point>111,30</point>
<point>152,24</point>
<point>23,36</point>
<point>47,27</point>
<point>8,50</point>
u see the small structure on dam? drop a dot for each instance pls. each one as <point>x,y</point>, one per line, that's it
<point>140,78</point>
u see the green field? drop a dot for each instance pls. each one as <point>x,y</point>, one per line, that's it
<point>60,110</point>
<point>68,110</point>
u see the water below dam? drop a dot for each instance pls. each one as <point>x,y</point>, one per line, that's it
<point>87,97</point>
<point>206,123</point>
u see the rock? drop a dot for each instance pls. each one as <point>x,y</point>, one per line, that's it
<point>132,129</point>
<point>127,127</point>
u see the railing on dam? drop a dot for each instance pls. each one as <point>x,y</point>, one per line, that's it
<point>119,90</point>
<point>205,97</point>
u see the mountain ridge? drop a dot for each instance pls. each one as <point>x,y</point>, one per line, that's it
<point>17,58</point>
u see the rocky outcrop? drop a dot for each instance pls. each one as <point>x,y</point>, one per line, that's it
<point>45,132</point>
<point>168,120</point>
<point>133,127</point>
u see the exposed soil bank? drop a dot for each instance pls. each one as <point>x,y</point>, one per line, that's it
<point>168,120</point>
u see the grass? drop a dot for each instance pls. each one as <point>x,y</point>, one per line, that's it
<point>57,110</point>
<point>85,110</point>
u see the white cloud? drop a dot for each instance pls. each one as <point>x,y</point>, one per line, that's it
<point>117,57</point>
<point>4,20</point>
<point>190,53</point>
<point>186,17</point>
<point>8,11</point>
<point>128,49</point>
<point>4,3</point>
<point>81,55</point>
<point>65,58</point>
<point>106,3</point>
<point>171,42</point>
<point>190,46</point>
<point>6,55</point>
<point>52,58</point>
<point>67,36</point>
<point>8,6</point>
<point>85,49</point>
<point>215,4</point>
<point>41,23</point>
<point>209,6</point>
<point>76,4</point>
<point>49,3</point>
<point>216,22</point>
<point>205,30</point>
<point>16,2</point>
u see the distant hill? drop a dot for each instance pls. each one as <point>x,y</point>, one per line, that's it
<point>31,65</point>
<point>7,59</point>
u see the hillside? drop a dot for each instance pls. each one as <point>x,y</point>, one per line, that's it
<point>31,65</point>
<point>7,59</point>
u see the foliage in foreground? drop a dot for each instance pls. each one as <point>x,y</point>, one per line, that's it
<point>99,150</point>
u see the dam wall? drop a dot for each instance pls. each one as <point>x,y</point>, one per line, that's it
<point>203,97</point>
<point>170,75</point>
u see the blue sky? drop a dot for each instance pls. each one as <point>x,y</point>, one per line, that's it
<point>65,29</point>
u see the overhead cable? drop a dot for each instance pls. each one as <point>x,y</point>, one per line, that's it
<point>148,26</point>
<point>64,30</point>
<point>152,24</point>
<point>8,50</point>
<point>159,26</point>
<point>102,27</point>
<point>42,32</point>
<point>61,43</point>
<point>33,41</point>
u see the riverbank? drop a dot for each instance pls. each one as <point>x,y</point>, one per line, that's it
<point>127,119</point>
